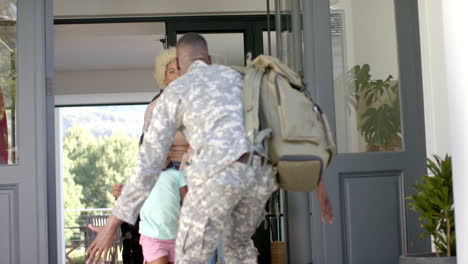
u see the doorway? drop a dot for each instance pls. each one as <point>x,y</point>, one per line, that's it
<point>100,85</point>
<point>327,40</point>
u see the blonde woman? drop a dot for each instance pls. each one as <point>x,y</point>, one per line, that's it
<point>165,71</point>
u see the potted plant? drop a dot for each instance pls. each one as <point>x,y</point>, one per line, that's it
<point>377,103</point>
<point>434,203</point>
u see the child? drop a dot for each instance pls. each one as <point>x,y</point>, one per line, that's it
<point>160,213</point>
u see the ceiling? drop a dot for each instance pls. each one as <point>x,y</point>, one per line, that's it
<point>107,46</point>
<point>111,46</point>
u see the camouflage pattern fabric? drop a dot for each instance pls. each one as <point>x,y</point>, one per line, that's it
<point>235,210</point>
<point>206,103</point>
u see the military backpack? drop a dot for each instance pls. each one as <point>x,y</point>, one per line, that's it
<point>280,114</point>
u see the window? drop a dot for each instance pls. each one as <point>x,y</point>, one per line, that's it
<point>8,76</point>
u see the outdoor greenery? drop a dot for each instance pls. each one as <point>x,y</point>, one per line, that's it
<point>8,53</point>
<point>8,8</point>
<point>7,104</point>
<point>434,203</point>
<point>377,101</point>
<point>91,167</point>
<point>7,80</point>
<point>96,164</point>
<point>8,77</point>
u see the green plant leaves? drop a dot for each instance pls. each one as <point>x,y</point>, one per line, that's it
<point>434,203</point>
<point>96,164</point>
<point>380,125</point>
<point>381,116</point>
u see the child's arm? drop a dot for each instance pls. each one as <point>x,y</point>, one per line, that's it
<point>183,191</point>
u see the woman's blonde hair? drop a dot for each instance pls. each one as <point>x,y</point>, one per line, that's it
<point>160,65</point>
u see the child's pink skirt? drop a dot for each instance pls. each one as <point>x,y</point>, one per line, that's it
<point>154,249</point>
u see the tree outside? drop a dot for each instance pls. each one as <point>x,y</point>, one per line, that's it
<point>99,149</point>
<point>91,166</point>
<point>96,164</point>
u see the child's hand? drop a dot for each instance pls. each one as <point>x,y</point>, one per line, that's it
<point>117,190</point>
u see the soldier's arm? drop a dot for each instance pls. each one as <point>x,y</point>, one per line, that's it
<point>166,119</point>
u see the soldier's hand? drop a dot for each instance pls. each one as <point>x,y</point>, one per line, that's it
<point>99,249</point>
<point>96,229</point>
<point>325,204</point>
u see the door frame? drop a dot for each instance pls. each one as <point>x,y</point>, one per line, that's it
<point>251,25</point>
<point>25,182</point>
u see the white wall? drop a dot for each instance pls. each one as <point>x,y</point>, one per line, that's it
<point>105,81</point>
<point>434,77</point>
<point>370,36</point>
<point>380,53</point>
<point>375,36</point>
<point>154,7</point>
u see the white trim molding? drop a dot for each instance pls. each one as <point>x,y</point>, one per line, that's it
<point>107,98</point>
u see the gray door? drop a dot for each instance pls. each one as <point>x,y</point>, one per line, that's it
<point>23,202</point>
<point>363,66</point>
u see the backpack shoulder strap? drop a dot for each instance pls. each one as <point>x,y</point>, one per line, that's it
<point>274,64</point>
<point>251,93</point>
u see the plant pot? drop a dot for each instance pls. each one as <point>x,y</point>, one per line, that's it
<point>427,258</point>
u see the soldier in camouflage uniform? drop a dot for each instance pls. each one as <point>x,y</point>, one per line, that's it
<point>226,195</point>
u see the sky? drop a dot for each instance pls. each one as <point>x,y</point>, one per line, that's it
<point>105,120</point>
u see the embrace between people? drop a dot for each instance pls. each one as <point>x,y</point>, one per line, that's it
<point>226,193</point>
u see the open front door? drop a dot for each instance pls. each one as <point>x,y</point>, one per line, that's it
<point>364,68</point>
<point>362,65</point>
<point>23,202</point>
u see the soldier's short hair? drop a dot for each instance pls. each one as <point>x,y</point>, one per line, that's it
<point>193,40</point>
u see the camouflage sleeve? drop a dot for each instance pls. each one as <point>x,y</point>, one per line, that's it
<point>165,121</point>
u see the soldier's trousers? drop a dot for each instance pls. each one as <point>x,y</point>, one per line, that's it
<point>229,204</point>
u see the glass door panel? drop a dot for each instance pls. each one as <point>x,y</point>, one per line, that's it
<point>366,76</point>
<point>8,76</point>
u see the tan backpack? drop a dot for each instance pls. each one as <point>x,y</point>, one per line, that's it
<point>280,114</point>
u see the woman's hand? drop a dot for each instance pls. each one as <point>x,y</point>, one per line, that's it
<point>183,162</point>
